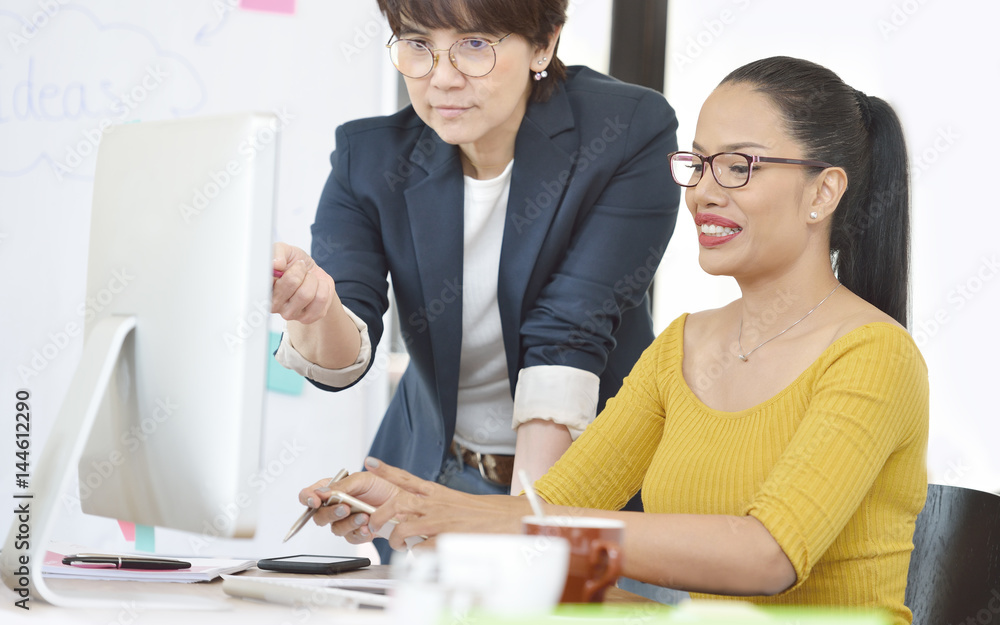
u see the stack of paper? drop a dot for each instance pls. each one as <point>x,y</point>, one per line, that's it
<point>202,569</point>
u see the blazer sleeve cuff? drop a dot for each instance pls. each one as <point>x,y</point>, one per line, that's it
<point>564,395</point>
<point>288,357</point>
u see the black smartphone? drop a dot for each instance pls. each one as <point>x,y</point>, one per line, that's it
<point>323,565</point>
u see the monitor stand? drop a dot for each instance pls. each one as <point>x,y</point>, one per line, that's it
<point>26,545</point>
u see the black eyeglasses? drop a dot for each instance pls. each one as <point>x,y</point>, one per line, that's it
<point>474,56</point>
<point>731,169</point>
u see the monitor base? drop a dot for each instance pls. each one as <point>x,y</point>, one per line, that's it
<point>24,550</point>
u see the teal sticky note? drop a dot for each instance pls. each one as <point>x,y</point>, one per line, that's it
<point>144,539</point>
<point>278,378</point>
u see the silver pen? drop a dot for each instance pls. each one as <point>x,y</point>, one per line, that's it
<point>308,514</point>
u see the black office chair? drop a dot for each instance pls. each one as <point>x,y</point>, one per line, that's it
<point>955,566</point>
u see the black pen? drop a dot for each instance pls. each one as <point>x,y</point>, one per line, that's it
<point>103,560</point>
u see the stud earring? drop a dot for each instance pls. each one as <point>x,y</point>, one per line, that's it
<point>544,58</point>
<point>540,75</point>
<point>814,215</point>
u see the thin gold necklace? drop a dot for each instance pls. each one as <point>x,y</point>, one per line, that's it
<point>746,356</point>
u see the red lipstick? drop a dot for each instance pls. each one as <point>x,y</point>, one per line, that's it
<point>708,240</point>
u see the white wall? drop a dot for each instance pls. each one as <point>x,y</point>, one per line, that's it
<point>937,63</point>
<point>586,38</point>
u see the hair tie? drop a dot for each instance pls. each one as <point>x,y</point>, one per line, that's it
<point>865,106</point>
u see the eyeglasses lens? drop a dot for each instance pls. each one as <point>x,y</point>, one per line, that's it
<point>685,168</point>
<point>474,57</point>
<point>411,58</point>
<point>731,170</point>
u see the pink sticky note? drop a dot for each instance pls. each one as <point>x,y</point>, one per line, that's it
<point>128,530</point>
<point>273,6</point>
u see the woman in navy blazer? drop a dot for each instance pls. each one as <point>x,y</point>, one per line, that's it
<point>590,207</point>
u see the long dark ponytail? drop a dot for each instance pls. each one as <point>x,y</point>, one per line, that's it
<point>870,230</point>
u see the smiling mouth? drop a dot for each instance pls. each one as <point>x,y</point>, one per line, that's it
<point>713,230</point>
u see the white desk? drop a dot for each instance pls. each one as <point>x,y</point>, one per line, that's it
<point>226,609</point>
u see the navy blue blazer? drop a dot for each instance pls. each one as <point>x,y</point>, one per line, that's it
<point>591,209</point>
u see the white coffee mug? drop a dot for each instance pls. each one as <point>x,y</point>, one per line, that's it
<point>502,573</point>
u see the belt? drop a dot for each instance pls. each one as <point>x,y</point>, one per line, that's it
<point>492,467</point>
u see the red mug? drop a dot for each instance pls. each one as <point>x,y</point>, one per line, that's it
<point>595,557</point>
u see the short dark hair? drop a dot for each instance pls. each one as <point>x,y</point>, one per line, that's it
<point>835,123</point>
<point>535,20</point>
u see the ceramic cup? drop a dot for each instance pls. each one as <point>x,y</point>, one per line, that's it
<point>501,573</point>
<point>595,558</point>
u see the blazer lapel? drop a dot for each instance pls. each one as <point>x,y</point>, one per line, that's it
<point>543,166</point>
<point>434,203</point>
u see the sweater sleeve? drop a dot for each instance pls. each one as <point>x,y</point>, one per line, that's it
<point>870,402</point>
<point>605,467</point>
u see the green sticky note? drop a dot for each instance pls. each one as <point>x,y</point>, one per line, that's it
<point>144,539</point>
<point>278,378</point>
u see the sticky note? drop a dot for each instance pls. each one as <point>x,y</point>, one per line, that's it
<point>278,378</point>
<point>128,530</point>
<point>144,540</point>
<point>271,6</point>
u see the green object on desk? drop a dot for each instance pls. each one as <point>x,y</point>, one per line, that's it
<point>657,614</point>
<point>278,378</point>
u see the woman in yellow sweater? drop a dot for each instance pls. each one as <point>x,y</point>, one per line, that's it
<point>780,440</point>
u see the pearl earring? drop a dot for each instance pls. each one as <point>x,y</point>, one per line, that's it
<point>814,215</point>
<point>542,74</point>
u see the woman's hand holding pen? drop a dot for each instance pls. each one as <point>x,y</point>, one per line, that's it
<point>414,506</point>
<point>365,486</point>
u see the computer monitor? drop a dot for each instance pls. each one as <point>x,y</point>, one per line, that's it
<point>163,417</point>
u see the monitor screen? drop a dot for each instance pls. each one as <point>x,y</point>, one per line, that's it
<point>162,421</point>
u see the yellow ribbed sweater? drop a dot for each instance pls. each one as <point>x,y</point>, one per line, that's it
<point>833,465</point>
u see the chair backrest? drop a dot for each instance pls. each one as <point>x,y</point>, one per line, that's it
<point>954,571</point>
